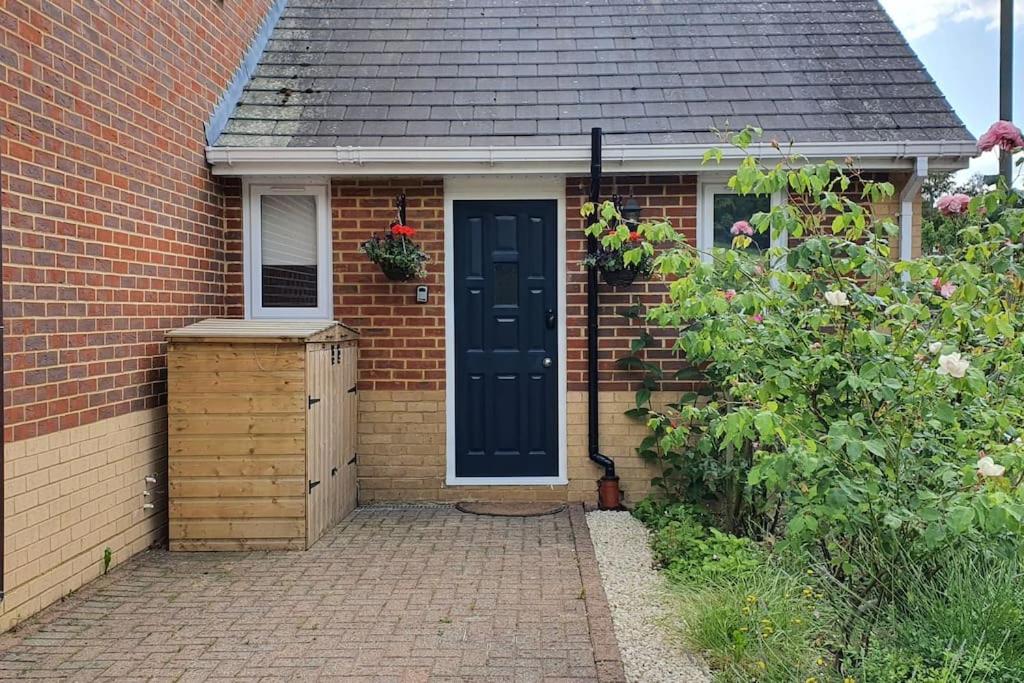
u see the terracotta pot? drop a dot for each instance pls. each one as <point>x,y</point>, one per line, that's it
<point>609,497</point>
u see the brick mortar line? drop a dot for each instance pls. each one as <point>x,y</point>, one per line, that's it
<point>607,657</point>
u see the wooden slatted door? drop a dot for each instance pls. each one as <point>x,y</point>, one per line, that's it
<point>319,419</point>
<point>347,442</point>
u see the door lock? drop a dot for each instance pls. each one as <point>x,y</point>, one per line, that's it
<point>546,362</point>
<point>550,319</point>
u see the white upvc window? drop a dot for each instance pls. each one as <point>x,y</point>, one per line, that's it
<point>287,252</point>
<point>720,207</point>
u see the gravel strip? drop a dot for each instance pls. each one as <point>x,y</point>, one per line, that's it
<point>636,596</point>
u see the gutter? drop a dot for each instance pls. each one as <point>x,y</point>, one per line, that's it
<point>907,197</point>
<point>412,161</point>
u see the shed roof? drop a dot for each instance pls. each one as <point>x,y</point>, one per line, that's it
<point>224,329</point>
<point>470,73</point>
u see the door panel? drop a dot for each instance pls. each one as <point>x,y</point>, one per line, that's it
<point>506,397</point>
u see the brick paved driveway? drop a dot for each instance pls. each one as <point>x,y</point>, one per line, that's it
<point>401,594</point>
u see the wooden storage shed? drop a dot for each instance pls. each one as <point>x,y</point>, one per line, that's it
<point>261,432</point>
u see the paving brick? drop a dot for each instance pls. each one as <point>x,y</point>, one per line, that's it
<point>399,594</point>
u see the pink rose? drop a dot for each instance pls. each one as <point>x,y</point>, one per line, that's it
<point>742,228</point>
<point>729,294</point>
<point>757,318</point>
<point>947,290</point>
<point>937,284</point>
<point>1003,135</point>
<point>953,204</point>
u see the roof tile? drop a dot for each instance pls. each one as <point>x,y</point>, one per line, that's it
<point>541,72</point>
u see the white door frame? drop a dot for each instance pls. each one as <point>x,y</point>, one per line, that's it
<point>460,188</point>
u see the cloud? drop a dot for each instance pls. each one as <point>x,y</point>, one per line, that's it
<point>918,18</point>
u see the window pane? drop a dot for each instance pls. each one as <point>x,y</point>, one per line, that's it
<point>730,208</point>
<point>288,251</point>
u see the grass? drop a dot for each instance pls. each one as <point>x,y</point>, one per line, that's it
<point>761,625</point>
<point>758,617</point>
<point>963,623</point>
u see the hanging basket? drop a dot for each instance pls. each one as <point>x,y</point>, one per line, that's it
<point>397,274</point>
<point>621,277</point>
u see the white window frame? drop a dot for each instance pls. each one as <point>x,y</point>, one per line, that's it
<point>707,188</point>
<point>252,250</point>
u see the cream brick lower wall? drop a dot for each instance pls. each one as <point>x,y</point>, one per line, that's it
<point>70,495</point>
<point>402,451</point>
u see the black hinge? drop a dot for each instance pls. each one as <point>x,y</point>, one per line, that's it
<point>354,458</point>
<point>313,484</point>
<point>352,390</point>
<point>313,401</point>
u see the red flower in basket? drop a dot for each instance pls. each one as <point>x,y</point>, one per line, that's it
<point>402,230</point>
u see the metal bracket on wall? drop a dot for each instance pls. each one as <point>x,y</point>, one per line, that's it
<point>354,458</point>
<point>353,390</point>
<point>313,401</point>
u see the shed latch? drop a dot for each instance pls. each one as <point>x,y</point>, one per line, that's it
<point>313,401</point>
<point>334,471</point>
<point>313,484</point>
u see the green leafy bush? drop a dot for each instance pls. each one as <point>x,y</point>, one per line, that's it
<point>865,413</point>
<point>688,549</point>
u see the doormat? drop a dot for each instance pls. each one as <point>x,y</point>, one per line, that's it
<point>510,509</point>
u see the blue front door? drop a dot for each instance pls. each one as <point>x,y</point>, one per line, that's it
<point>506,339</point>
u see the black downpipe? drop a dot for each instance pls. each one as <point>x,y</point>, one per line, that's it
<point>593,431</point>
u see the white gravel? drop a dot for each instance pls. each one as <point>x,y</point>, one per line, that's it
<point>636,595</point>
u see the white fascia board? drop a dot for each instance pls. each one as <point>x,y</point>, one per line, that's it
<point>419,161</point>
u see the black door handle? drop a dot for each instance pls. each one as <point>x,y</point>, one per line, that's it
<point>550,319</point>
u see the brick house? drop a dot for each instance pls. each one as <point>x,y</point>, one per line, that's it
<point>118,225</point>
<point>113,232</point>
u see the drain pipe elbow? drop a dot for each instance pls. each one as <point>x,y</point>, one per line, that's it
<point>607,463</point>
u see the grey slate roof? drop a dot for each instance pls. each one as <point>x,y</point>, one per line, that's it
<point>542,72</point>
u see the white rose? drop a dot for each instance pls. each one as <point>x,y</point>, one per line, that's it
<point>953,365</point>
<point>934,347</point>
<point>837,299</point>
<point>988,468</point>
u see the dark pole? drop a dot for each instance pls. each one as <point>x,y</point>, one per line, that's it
<point>609,498</point>
<point>595,197</point>
<point>1006,82</point>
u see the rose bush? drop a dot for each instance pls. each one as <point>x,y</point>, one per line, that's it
<point>862,412</point>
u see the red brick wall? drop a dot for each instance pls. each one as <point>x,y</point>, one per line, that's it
<point>112,227</point>
<point>673,197</point>
<point>402,342</point>
<point>402,345</point>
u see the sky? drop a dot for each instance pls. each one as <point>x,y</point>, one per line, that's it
<point>958,41</point>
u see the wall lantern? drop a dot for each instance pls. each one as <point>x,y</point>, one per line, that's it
<point>631,212</point>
